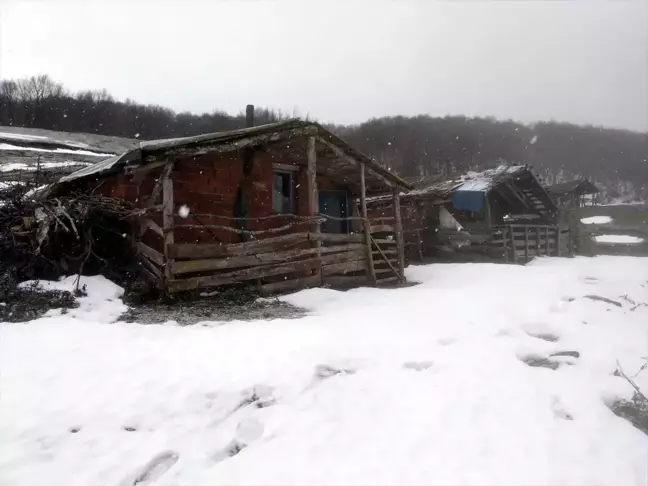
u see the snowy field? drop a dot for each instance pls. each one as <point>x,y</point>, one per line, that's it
<point>420,385</point>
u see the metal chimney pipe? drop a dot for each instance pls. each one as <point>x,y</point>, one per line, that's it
<point>249,116</point>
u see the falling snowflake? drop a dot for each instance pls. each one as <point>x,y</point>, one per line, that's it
<point>183,212</point>
<point>137,135</point>
<point>533,140</point>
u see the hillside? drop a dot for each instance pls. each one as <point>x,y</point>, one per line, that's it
<point>617,160</point>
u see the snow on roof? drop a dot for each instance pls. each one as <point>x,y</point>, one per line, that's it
<point>6,146</point>
<point>470,181</point>
<point>97,168</point>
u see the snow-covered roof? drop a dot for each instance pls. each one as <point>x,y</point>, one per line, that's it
<point>24,151</point>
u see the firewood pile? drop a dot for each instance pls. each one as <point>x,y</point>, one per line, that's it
<point>47,237</point>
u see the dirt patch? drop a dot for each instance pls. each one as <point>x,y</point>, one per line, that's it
<point>28,303</point>
<point>211,309</point>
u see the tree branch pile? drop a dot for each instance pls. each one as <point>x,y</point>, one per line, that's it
<point>78,233</point>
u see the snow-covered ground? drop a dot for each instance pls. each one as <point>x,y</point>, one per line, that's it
<point>419,385</point>
<point>597,220</point>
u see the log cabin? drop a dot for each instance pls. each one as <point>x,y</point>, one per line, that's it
<point>280,207</point>
<point>500,214</point>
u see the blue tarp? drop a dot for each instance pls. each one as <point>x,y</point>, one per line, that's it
<point>468,200</point>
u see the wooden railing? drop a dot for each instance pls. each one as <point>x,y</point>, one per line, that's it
<point>520,243</point>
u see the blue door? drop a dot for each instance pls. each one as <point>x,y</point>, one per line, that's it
<point>335,204</point>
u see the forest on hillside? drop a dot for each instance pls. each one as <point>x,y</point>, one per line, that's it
<point>617,160</point>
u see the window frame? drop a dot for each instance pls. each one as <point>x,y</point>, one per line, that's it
<point>291,198</point>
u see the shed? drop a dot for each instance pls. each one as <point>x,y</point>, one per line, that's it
<point>270,205</point>
<point>574,194</point>
<point>469,214</point>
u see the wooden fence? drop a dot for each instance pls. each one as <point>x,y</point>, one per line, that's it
<point>280,258</point>
<point>521,243</point>
<point>625,221</point>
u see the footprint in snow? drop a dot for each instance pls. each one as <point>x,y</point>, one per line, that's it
<point>247,431</point>
<point>418,365</point>
<point>323,371</point>
<point>153,469</point>
<point>545,336</point>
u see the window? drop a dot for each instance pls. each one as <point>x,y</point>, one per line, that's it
<point>283,194</point>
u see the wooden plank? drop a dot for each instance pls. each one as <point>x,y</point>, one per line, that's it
<point>557,230</point>
<point>242,275</point>
<point>400,240</point>
<point>537,248</point>
<point>513,245</point>
<point>167,224</point>
<point>381,228</point>
<point>546,240</point>
<point>147,224</point>
<point>526,247</point>
<point>504,236</point>
<point>292,284</point>
<point>285,167</point>
<point>340,153</point>
<point>313,194</point>
<point>150,267</point>
<point>387,280</point>
<point>153,255</point>
<point>210,250</point>
<point>386,252</point>
<point>345,280</point>
<point>344,267</point>
<point>211,264</point>
<point>337,237</point>
<point>365,225</point>
<point>166,173</point>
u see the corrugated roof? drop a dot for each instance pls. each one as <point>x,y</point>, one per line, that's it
<point>217,138</point>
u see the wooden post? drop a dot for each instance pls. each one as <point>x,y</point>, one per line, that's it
<point>313,197</point>
<point>557,240</point>
<point>547,241</point>
<point>167,224</point>
<point>249,116</point>
<point>537,241</point>
<point>398,227</point>
<point>371,271</point>
<point>512,231</point>
<point>504,237</point>
<point>526,244</point>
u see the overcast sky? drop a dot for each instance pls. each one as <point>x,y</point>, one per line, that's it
<point>583,61</point>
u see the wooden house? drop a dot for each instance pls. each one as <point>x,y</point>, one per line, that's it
<point>574,194</point>
<point>477,215</point>
<point>272,206</point>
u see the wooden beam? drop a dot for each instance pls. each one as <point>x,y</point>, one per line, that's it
<point>148,224</point>
<point>504,239</point>
<point>215,250</point>
<point>239,276</point>
<point>153,255</point>
<point>513,245</point>
<point>313,195</point>
<point>291,284</point>
<point>537,241</point>
<point>167,225</point>
<point>152,269</point>
<point>546,240</point>
<point>166,173</point>
<point>207,265</point>
<point>371,274</point>
<point>399,235</point>
<point>340,153</point>
<point>557,230</point>
<point>344,267</point>
<point>526,246</point>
